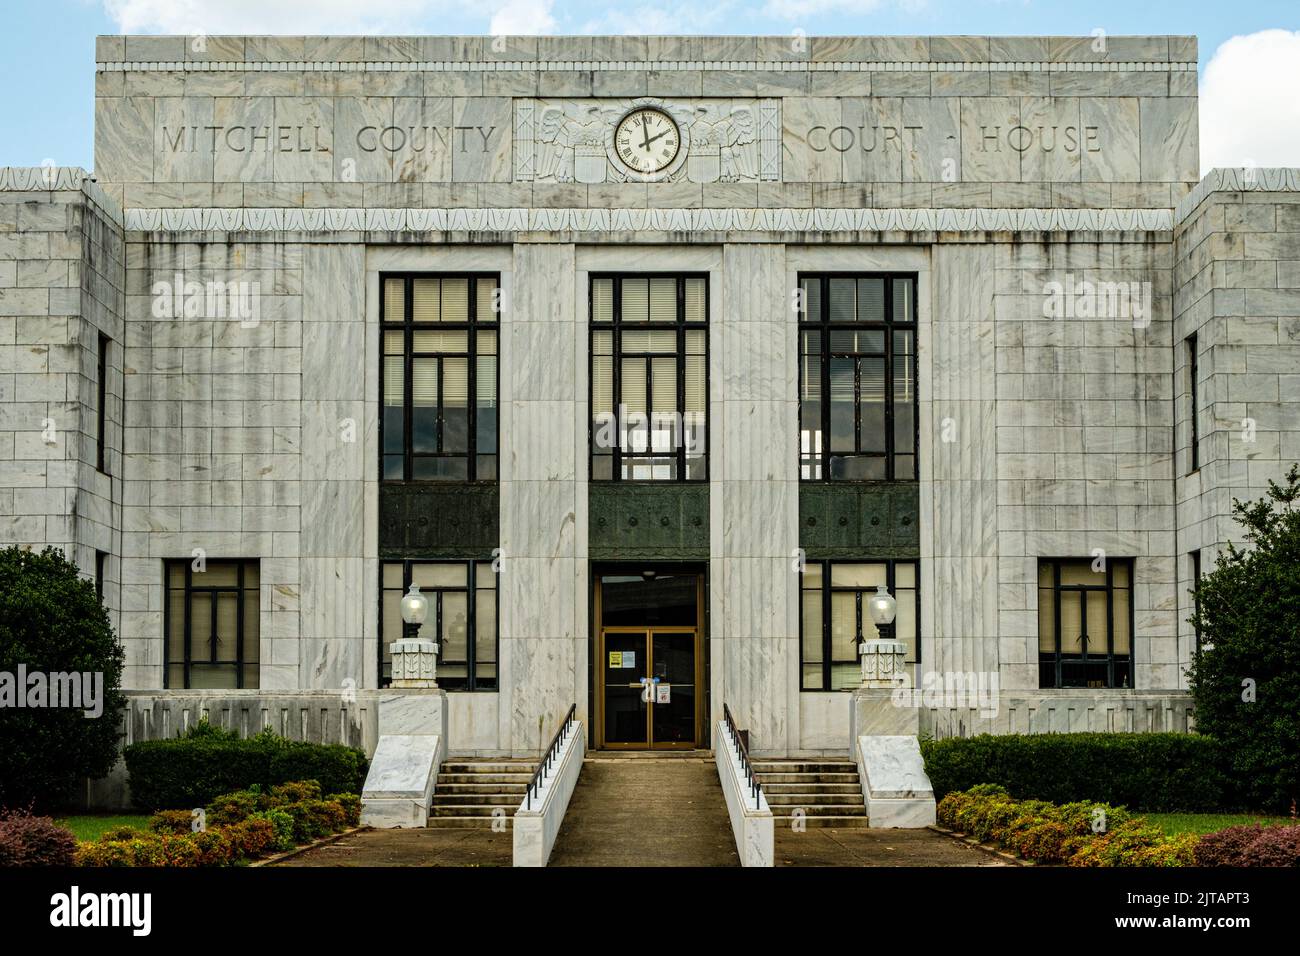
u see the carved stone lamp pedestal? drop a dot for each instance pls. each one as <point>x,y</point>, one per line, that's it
<point>883,663</point>
<point>415,663</point>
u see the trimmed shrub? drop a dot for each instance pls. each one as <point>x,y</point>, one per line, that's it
<point>172,821</point>
<point>1046,833</point>
<point>194,770</point>
<point>26,840</point>
<point>251,838</point>
<point>116,834</point>
<point>282,824</point>
<point>351,804</point>
<point>51,621</point>
<point>234,807</point>
<point>1151,772</point>
<point>214,847</point>
<point>1250,845</point>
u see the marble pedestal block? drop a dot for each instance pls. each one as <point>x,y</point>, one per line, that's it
<point>877,711</point>
<point>412,743</point>
<point>894,783</point>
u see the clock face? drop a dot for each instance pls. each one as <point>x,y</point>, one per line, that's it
<point>647,140</point>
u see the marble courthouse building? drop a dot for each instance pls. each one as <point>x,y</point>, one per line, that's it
<point>646,359</point>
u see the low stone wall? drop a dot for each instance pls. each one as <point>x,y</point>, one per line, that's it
<point>1064,711</point>
<point>320,716</point>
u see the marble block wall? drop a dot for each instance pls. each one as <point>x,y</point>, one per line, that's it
<point>61,255</point>
<point>754,497</point>
<point>1084,415</point>
<point>858,122</point>
<point>254,438</point>
<point>1238,289</point>
<point>543,585</point>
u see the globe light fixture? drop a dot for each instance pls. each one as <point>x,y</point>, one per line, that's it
<point>415,608</point>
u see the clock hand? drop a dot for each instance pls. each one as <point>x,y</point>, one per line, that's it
<point>647,143</point>
<point>645,132</point>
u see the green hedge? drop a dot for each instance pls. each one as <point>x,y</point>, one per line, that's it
<point>191,771</point>
<point>1148,772</point>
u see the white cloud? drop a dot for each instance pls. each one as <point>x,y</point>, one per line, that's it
<point>294,17</point>
<point>1250,110</point>
<point>646,20</point>
<point>523,17</point>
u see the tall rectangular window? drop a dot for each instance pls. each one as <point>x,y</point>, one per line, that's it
<point>438,380</point>
<point>649,377</point>
<point>101,570</point>
<point>1195,557</point>
<point>834,617</point>
<point>857,378</point>
<point>1085,623</point>
<point>462,619</point>
<point>101,404</point>
<point>212,624</point>
<point>1194,426</point>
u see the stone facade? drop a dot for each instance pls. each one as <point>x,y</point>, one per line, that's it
<point>992,169</point>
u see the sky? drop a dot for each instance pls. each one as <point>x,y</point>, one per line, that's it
<point>1249,53</point>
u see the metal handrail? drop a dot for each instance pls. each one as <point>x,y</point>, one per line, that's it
<point>551,753</point>
<point>751,778</point>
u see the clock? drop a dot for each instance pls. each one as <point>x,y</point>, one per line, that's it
<point>647,141</point>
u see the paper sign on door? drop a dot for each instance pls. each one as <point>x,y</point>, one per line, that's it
<point>663,693</point>
<point>615,659</point>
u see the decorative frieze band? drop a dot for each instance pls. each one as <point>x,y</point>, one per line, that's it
<point>678,221</point>
<point>587,66</point>
<point>26,179</point>
<point>1238,179</point>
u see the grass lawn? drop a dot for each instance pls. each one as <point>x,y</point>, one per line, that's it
<point>90,826</point>
<point>1175,823</point>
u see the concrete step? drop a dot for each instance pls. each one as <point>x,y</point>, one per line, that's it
<point>806,778</point>
<point>812,821</point>
<point>518,788</point>
<point>805,766</point>
<point>845,788</point>
<point>464,823</point>
<point>812,799</point>
<point>520,778</point>
<point>488,766</point>
<point>822,810</point>
<point>470,810</point>
<point>473,799</point>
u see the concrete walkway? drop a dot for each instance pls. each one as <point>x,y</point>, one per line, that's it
<point>431,847</point>
<point>643,810</point>
<point>818,846</point>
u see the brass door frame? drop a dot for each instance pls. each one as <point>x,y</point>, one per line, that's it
<point>598,673</point>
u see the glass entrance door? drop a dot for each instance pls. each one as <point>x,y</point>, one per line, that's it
<point>648,688</point>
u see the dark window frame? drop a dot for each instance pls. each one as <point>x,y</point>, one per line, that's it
<point>827,592</point>
<point>407,326</point>
<point>1196,597</point>
<point>101,569</point>
<point>823,326</point>
<point>615,327</point>
<point>1109,588</point>
<point>1193,371</point>
<point>190,589</point>
<point>471,681</point>
<point>101,405</point>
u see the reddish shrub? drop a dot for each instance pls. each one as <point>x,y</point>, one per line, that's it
<point>1250,845</point>
<point>26,840</point>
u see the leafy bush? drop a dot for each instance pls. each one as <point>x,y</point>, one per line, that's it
<point>1250,845</point>
<point>26,840</point>
<point>1153,772</point>
<point>172,821</point>
<point>51,621</point>
<point>1047,833</point>
<point>1246,681</point>
<point>243,825</point>
<point>191,771</point>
